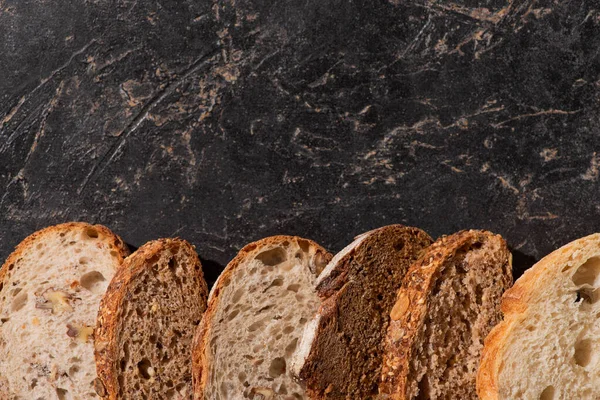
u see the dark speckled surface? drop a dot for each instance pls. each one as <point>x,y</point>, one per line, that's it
<point>223,122</point>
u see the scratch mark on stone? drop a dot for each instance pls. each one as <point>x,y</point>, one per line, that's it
<point>506,184</point>
<point>453,168</point>
<point>13,111</point>
<point>40,132</point>
<point>42,83</point>
<point>543,217</point>
<point>142,115</point>
<point>536,114</point>
<point>412,44</point>
<point>548,154</point>
<point>592,172</point>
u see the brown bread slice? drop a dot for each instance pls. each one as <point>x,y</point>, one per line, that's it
<point>256,313</point>
<point>50,290</point>
<point>449,301</point>
<point>341,351</point>
<point>146,323</point>
<point>548,346</point>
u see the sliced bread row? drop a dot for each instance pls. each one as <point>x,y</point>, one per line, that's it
<point>78,320</point>
<point>390,316</point>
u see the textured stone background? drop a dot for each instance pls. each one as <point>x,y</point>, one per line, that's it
<point>223,122</point>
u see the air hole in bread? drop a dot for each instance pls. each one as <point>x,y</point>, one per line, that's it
<point>19,302</point>
<point>587,273</point>
<point>276,282</point>
<point>399,245</point>
<point>91,233</point>
<point>548,393</point>
<point>145,369</point>
<point>237,295</point>
<point>290,348</point>
<point>173,265</point>
<point>586,296</point>
<point>61,393</point>
<point>294,287</point>
<point>304,245</point>
<point>255,326</point>
<point>92,281</point>
<point>233,314</point>
<point>288,329</point>
<point>16,291</point>
<point>583,352</point>
<point>11,266</point>
<point>84,260</point>
<point>73,370</point>
<point>272,257</point>
<point>113,253</point>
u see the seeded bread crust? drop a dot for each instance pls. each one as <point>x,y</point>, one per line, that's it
<point>110,319</point>
<point>516,305</point>
<point>201,358</point>
<point>340,354</point>
<point>412,307</point>
<point>112,243</point>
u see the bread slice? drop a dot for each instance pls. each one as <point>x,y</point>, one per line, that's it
<point>50,289</point>
<point>146,323</point>
<point>548,346</point>
<point>341,352</point>
<point>449,301</point>
<point>256,312</point>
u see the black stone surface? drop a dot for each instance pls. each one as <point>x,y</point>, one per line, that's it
<point>223,122</point>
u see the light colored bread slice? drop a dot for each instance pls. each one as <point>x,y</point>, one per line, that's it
<point>50,289</point>
<point>341,352</point>
<point>448,303</point>
<point>548,346</point>
<point>146,323</point>
<point>256,313</point>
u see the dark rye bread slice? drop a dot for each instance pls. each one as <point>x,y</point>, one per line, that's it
<point>256,313</point>
<point>146,323</point>
<point>448,303</point>
<point>50,290</point>
<point>341,351</point>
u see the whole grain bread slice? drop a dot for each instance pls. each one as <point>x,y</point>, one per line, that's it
<point>340,355</point>
<point>146,323</point>
<point>256,312</point>
<point>50,289</point>
<point>548,345</point>
<point>448,302</point>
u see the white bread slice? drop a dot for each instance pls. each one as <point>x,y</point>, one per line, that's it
<point>548,346</point>
<point>146,323</point>
<point>448,303</point>
<point>256,313</point>
<point>341,352</point>
<point>50,289</point>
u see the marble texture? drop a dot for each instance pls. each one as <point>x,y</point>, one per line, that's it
<point>223,122</point>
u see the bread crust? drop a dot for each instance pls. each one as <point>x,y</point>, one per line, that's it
<point>200,359</point>
<point>120,246</point>
<point>412,306</point>
<point>108,236</point>
<point>514,306</point>
<point>106,333</point>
